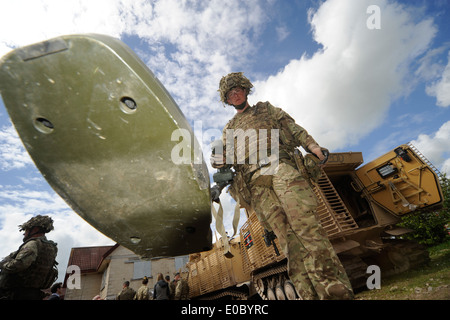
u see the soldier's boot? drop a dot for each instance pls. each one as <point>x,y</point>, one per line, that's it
<point>339,292</point>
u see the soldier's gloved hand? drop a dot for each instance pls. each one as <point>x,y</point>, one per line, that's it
<point>217,161</point>
<point>326,154</point>
<point>322,154</point>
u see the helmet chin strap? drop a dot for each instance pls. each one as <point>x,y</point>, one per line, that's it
<point>241,106</point>
<point>30,235</point>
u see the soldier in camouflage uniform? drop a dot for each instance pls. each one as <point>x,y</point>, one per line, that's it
<point>143,293</point>
<point>33,267</point>
<point>180,287</point>
<point>282,197</point>
<point>127,293</point>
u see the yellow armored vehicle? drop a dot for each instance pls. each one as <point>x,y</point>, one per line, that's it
<point>359,208</point>
<point>214,276</point>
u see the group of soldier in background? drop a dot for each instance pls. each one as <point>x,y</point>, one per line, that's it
<point>164,289</point>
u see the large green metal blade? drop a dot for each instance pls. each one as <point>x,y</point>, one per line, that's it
<point>98,124</point>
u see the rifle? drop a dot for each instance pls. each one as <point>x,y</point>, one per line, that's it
<point>269,239</point>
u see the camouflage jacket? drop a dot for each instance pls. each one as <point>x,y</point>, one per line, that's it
<point>181,290</point>
<point>143,293</point>
<point>126,294</point>
<point>260,121</point>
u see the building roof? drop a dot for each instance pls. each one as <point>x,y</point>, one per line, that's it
<point>89,258</point>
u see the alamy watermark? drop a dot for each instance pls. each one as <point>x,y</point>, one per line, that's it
<point>374,20</point>
<point>242,147</point>
<point>74,279</point>
<point>374,280</point>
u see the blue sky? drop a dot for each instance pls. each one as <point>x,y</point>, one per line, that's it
<point>354,88</point>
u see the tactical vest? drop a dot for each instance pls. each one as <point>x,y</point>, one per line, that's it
<point>260,120</point>
<point>252,136</point>
<point>42,272</point>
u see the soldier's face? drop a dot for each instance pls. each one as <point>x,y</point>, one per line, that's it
<point>26,234</point>
<point>236,96</point>
<point>29,232</point>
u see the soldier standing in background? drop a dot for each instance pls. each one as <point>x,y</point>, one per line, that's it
<point>282,198</point>
<point>181,288</point>
<point>33,266</point>
<point>127,293</point>
<point>143,293</point>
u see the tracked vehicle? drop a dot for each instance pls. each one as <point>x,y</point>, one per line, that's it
<point>359,208</point>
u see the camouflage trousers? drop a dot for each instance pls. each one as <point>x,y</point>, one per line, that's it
<point>287,206</point>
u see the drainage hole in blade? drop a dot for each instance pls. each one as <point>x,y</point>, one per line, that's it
<point>135,240</point>
<point>43,125</point>
<point>128,105</point>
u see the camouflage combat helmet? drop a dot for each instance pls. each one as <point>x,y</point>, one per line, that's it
<point>232,80</point>
<point>44,222</point>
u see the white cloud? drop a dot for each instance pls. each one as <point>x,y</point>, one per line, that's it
<point>12,152</point>
<point>201,44</point>
<point>441,88</point>
<point>344,91</point>
<point>282,33</point>
<point>436,147</point>
<point>33,21</point>
<point>430,68</point>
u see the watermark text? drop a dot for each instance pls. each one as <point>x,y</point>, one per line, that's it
<point>373,22</point>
